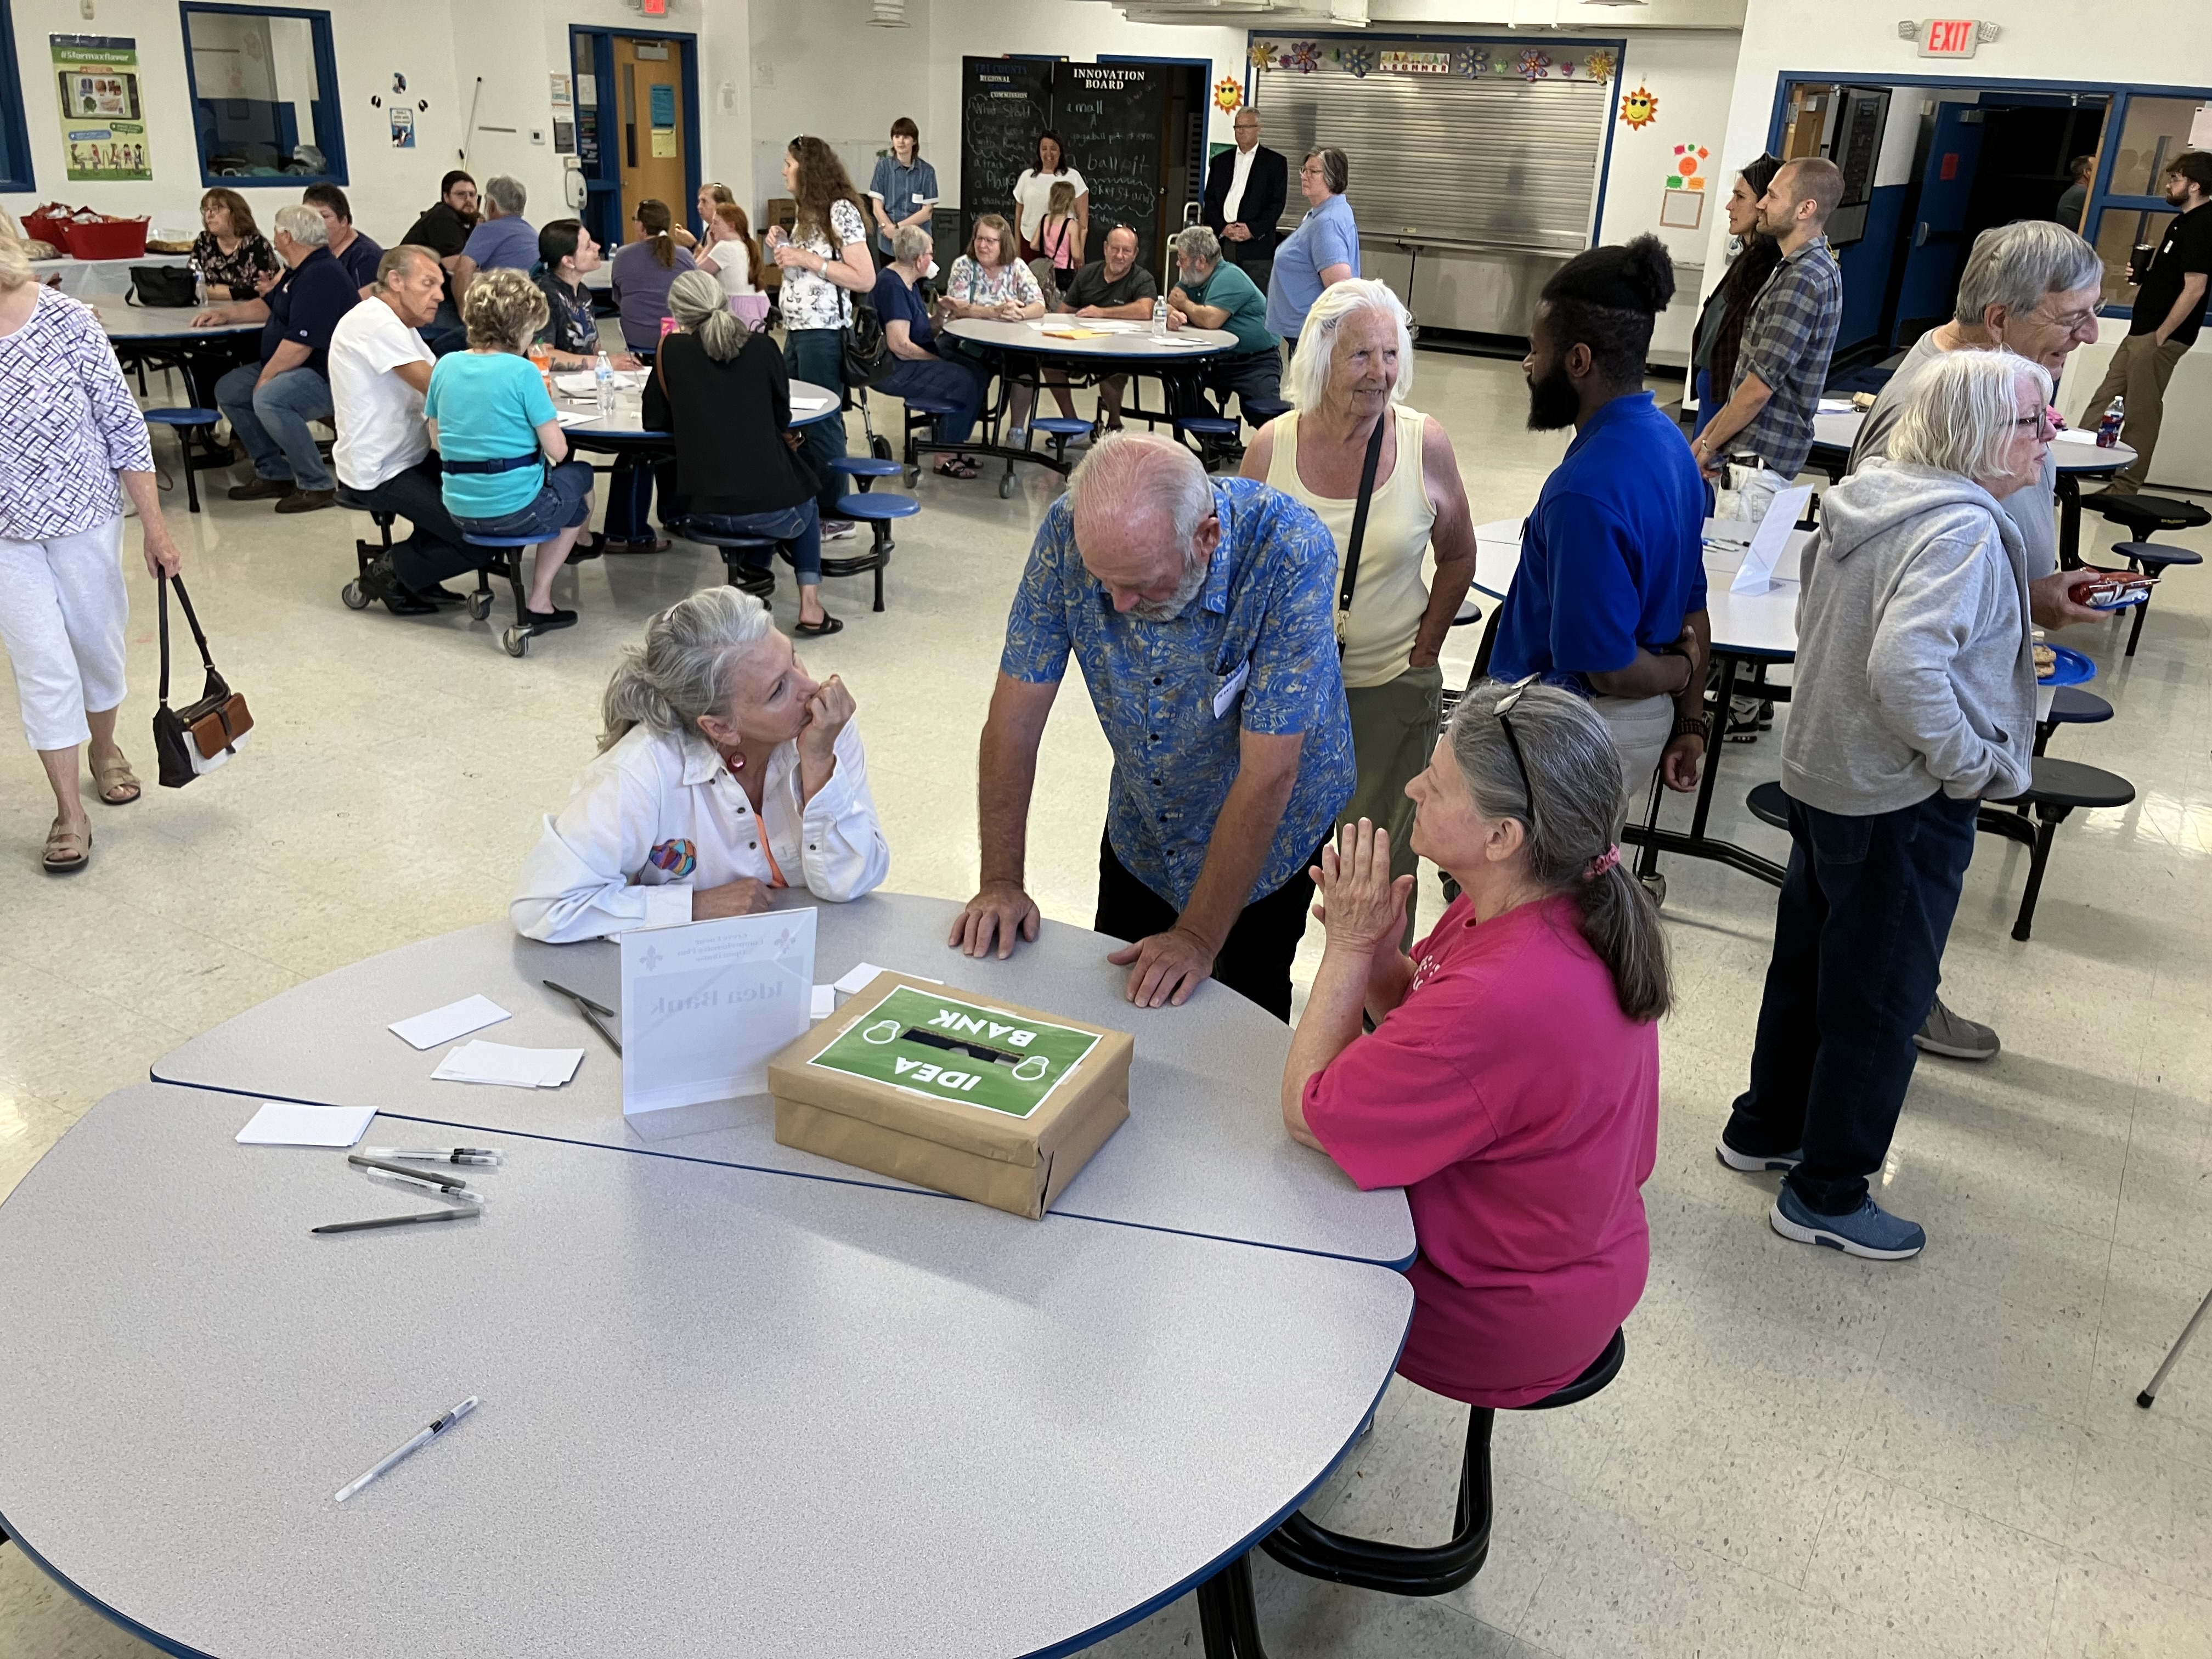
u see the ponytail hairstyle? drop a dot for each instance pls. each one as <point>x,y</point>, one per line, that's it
<point>654,218</point>
<point>699,308</point>
<point>1574,848</point>
<point>683,669</point>
<point>730,214</point>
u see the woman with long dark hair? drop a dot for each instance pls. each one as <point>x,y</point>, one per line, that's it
<point>1033,197</point>
<point>1720,325</point>
<point>824,260</point>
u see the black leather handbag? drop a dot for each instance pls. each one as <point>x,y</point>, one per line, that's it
<point>201,736</point>
<point>169,286</point>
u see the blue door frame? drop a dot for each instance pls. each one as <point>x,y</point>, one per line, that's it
<point>602,212</point>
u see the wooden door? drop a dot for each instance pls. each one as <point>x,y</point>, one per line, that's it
<point>650,127</point>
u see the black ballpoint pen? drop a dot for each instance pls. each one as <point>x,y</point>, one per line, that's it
<point>397,1220</point>
<point>428,1177</point>
<point>590,1010</point>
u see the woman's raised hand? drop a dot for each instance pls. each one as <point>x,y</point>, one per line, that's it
<point>1360,905</point>
<point>826,715</point>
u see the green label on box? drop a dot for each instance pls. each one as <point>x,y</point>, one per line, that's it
<point>943,1048</point>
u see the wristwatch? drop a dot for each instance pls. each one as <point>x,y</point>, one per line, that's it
<point>1687,726</point>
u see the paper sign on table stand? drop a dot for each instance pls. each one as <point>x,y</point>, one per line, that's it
<point>1756,574</point>
<point>705,1005</point>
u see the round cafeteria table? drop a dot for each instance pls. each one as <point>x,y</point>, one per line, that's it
<point>721,1410</point>
<point>162,336</point>
<point>1020,351</point>
<point>1203,1152</point>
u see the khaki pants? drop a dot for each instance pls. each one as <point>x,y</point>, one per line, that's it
<point>1641,728</point>
<point>1394,732</point>
<point>2140,370</point>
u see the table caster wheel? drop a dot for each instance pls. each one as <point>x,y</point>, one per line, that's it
<point>913,476</point>
<point>479,606</point>
<point>1656,885</point>
<point>517,641</point>
<point>1007,487</point>
<point>354,596</point>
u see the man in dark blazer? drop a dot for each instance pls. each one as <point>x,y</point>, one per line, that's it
<point>1246,225</point>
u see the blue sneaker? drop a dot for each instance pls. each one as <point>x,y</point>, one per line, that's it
<point>1869,1231</point>
<point>1753,1162</point>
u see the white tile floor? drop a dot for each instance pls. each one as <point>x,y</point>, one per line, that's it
<point>1803,1455</point>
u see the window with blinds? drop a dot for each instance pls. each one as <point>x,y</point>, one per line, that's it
<point>1492,161</point>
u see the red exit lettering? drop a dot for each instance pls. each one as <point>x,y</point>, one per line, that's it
<point>1950,34</point>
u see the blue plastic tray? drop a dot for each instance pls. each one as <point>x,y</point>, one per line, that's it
<point>2072,668</point>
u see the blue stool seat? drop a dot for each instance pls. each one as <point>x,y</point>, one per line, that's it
<point>182,417</point>
<point>187,422</point>
<point>1064,426</point>
<point>922,404</point>
<point>2151,554</point>
<point>878,508</point>
<point>865,466</point>
<point>475,540</point>
<point>1261,411</point>
<point>1212,426</point>
<point>2071,706</point>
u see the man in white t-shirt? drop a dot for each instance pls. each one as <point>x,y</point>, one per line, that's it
<point>380,370</point>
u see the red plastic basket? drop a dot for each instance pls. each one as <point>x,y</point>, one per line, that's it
<point>109,239</point>
<point>49,227</point>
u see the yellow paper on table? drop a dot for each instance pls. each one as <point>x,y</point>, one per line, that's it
<point>664,141</point>
<point>1075,333</point>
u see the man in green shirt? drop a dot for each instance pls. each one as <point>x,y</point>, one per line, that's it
<point>1214,294</point>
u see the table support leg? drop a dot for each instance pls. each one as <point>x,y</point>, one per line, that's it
<point>2070,522</point>
<point>1228,1618</point>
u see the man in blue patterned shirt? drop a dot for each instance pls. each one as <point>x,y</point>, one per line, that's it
<point>1201,611</point>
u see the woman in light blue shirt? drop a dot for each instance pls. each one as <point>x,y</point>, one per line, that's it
<point>1323,250</point>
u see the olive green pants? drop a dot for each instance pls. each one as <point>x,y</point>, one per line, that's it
<point>1394,732</point>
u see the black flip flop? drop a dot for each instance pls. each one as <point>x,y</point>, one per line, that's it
<point>828,625</point>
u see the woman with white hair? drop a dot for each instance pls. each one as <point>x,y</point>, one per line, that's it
<point>68,431</point>
<point>1382,474</point>
<point>725,772</point>
<point>1913,701</point>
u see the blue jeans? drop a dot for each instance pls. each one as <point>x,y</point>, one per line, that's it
<point>1858,950</point>
<point>958,379</point>
<point>818,355</point>
<point>271,421</point>
<point>799,527</point>
<point>564,502</point>
<point>1248,374</point>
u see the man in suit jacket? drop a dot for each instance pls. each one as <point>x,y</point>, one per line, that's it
<point>1244,191</point>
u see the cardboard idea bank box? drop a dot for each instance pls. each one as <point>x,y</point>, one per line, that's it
<point>984,1100</point>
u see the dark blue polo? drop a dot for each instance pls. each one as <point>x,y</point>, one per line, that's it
<point>306,305</point>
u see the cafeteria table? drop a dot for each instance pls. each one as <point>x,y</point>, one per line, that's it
<point>720,1410</point>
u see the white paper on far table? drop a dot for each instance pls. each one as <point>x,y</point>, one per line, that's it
<point>455,1019</point>
<point>282,1124</point>
<point>810,404</point>
<point>825,1001</point>
<point>577,385</point>
<point>705,1005</point>
<point>512,1067</point>
<point>2076,434</point>
<point>1836,405</point>
<point>867,970</point>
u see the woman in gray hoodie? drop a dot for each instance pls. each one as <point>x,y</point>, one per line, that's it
<point>1914,700</point>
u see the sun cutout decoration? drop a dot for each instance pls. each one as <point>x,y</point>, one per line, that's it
<point>1639,109</point>
<point>1228,95</point>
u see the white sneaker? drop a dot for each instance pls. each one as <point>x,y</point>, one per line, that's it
<point>1018,437</point>
<point>838,529</point>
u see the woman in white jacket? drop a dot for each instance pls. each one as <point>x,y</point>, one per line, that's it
<point>725,771</point>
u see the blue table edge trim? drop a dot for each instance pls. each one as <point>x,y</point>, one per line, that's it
<point>1397,1265</point>
<point>145,1633</point>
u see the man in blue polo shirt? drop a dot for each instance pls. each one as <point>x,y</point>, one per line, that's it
<point>503,241</point>
<point>1202,612</point>
<point>270,405</point>
<point>1610,599</point>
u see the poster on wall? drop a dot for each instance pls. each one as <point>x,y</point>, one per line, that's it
<point>103,129</point>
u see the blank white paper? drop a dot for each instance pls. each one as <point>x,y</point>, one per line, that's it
<point>858,978</point>
<point>282,1123</point>
<point>455,1019</point>
<point>825,1001</point>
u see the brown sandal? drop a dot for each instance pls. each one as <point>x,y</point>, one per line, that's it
<point>68,851</point>
<point>111,776</point>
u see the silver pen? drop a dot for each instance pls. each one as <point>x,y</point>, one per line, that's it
<point>434,1154</point>
<point>431,1432</point>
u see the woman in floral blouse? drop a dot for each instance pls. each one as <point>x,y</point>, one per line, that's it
<point>825,259</point>
<point>232,253</point>
<point>989,284</point>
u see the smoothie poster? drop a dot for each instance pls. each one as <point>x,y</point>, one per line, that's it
<point>103,129</point>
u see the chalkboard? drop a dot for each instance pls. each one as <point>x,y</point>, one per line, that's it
<point>1113,117</point>
<point>1003,104</point>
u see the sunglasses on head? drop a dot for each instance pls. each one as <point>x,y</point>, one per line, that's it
<point>1502,708</point>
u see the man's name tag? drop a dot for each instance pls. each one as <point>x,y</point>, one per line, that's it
<point>1225,698</point>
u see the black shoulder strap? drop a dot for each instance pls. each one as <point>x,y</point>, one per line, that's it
<point>1360,517</point>
<point>200,639</point>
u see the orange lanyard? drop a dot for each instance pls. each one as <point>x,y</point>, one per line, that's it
<point>760,824</point>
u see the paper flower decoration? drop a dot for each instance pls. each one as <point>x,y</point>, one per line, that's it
<point>1305,56</point>
<point>1473,62</point>
<point>1567,68</point>
<point>1261,55</point>
<point>1689,165</point>
<point>1639,109</point>
<point>1600,65</point>
<point>1228,95</point>
<point>1357,62</point>
<point>1533,65</point>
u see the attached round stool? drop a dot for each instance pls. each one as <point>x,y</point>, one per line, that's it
<point>1225,1605</point>
<point>1062,429</point>
<point>186,422</point>
<point>2056,788</point>
<point>1218,438</point>
<point>922,410</point>
<point>1261,411</point>
<point>865,469</point>
<point>2152,558</point>
<point>876,511</point>
<point>756,576</point>
<point>2071,706</point>
<point>2145,514</point>
<point>1769,805</point>
<point>517,637</point>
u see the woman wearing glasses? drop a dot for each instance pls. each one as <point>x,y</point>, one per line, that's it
<point>1511,1084</point>
<point>1322,250</point>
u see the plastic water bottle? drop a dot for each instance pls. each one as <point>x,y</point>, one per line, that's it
<point>1159,317</point>
<point>603,373</point>
<point>2108,429</point>
<point>199,285</point>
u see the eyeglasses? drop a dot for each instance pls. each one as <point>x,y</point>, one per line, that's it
<point>1503,707</point>
<point>2073,322</point>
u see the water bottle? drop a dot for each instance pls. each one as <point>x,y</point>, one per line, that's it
<point>2108,429</point>
<point>199,285</point>
<point>603,373</point>
<point>1159,317</point>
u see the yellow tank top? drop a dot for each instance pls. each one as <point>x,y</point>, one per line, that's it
<point>1391,595</point>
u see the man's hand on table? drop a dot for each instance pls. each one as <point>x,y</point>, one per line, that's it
<point>1165,967</point>
<point>996,914</point>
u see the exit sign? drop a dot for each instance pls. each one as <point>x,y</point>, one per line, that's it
<point>1949,37</point>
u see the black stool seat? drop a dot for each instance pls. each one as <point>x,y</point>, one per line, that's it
<point>2070,784</point>
<point>2144,513</point>
<point>925,405</point>
<point>1769,805</point>
<point>2156,555</point>
<point>1261,411</point>
<point>2071,706</point>
<point>346,498</point>
<point>2055,789</point>
<point>748,561</point>
<point>1434,1570</point>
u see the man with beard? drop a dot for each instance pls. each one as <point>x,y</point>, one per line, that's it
<point>1610,599</point>
<point>2169,309</point>
<point>1202,613</point>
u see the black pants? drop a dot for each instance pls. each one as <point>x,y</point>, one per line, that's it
<point>435,550</point>
<point>1858,947</point>
<point>1255,960</point>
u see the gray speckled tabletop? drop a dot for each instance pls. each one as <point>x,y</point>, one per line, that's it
<point>1204,1151</point>
<point>723,1412</point>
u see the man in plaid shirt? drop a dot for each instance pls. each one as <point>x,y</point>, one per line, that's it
<point>1765,432</point>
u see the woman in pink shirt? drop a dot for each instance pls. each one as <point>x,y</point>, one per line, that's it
<point>1511,1084</point>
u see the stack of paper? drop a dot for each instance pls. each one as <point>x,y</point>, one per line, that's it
<point>808,405</point>
<point>577,385</point>
<point>2077,435</point>
<point>455,1019</point>
<point>867,970</point>
<point>517,1068</point>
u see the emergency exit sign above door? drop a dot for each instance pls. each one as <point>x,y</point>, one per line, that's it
<point>1949,37</point>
